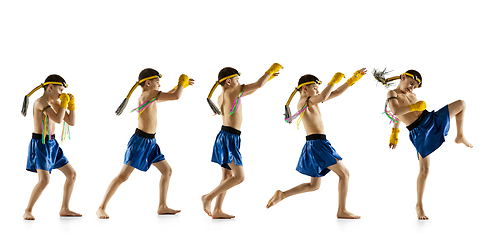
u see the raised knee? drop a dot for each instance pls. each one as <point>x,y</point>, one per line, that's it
<point>462,103</point>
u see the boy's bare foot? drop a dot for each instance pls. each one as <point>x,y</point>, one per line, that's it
<point>277,197</point>
<point>347,215</point>
<point>28,216</point>
<point>165,210</point>
<point>221,215</point>
<point>68,213</point>
<point>421,214</point>
<point>206,205</point>
<point>462,139</point>
<point>101,214</point>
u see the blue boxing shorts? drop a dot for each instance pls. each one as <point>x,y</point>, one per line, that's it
<point>428,131</point>
<point>317,155</point>
<point>227,147</point>
<point>46,156</point>
<point>142,151</point>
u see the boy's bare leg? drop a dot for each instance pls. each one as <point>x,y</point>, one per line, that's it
<point>343,174</point>
<point>302,188</point>
<point>43,181</point>
<point>237,178</point>
<point>457,110</point>
<point>166,173</point>
<point>70,174</point>
<point>218,213</point>
<point>422,177</point>
<point>113,186</point>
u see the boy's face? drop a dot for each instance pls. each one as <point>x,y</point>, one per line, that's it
<point>56,91</point>
<point>234,81</point>
<point>312,89</point>
<point>154,84</point>
<point>408,84</point>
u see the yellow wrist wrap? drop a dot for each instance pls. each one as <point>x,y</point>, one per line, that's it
<point>418,106</point>
<point>394,136</point>
<point>273,69</point>
<point>336,78</point>
<point>184,81</point>
<point>71,103</point>
<point>357,75</point>
<point>64,100</point>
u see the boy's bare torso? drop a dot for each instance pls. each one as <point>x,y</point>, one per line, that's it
<point>148,120</point>
<point>406,100</point>
<point>225,101</point>
<point>39,116</point>
<point>312,120</point>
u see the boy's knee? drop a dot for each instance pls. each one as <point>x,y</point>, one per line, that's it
<point>424,170</point>
<point>43,182</point>
<point>122,178</point>
<point>314,186</point>
<point>239,178</point>
<point>168,172</point>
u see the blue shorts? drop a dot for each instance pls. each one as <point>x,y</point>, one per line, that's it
<point>46,156</point>
<point>142,151</point>
<point>428,131</point>
<point>227,147</point>
<point>317,155</point>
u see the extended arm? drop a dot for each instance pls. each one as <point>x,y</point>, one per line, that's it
<point>176,93</point>
<point>271,73</point>
<point>338,91</point>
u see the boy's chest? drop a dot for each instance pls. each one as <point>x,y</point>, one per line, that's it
<point>406,99</point>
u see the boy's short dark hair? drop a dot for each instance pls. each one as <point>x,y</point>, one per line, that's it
<point>308,78</point>
<point>148,72</point>
<point>54,78</point>
<point>227,71</point>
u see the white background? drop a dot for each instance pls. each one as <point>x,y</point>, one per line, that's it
<point>100,47</point>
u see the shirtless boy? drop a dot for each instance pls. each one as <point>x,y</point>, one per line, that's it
<point>44,151</point>
<point>142,150</point>
<point>226,151</point>
<point>318,157</point>
<point>427,129</point>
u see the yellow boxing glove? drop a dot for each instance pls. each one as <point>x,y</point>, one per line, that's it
<point>71,103</point>
<point>336,78</point>
<point>184,81</point>
<point>273,69</point>
<point>418,106</point>
<point>394,136</point>
<point>357,75</point>
<point>64,100</point>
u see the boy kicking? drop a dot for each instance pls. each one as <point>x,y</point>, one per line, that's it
<point>427,129</point>
<point>142,150</point>
<point>226,151</point>
<point>318,157</point>
<point>44,151</point>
